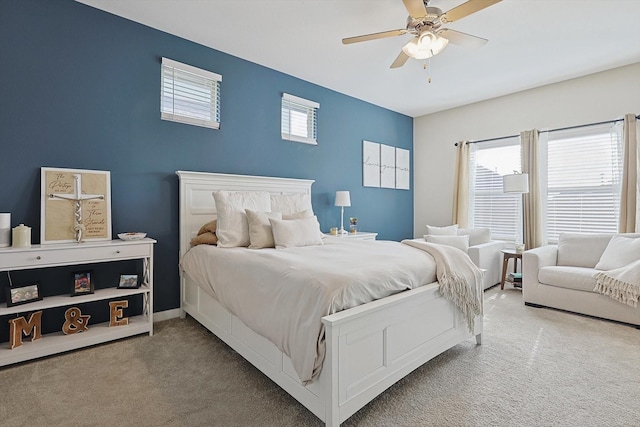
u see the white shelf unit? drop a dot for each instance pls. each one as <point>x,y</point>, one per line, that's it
<point>55,255</point>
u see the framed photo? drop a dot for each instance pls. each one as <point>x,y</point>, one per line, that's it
<point>23,294</point>
<point>128,281</point>
<point>82,283</point>
<point>72,200</point>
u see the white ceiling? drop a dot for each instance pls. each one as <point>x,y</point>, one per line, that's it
<point>531,43</point>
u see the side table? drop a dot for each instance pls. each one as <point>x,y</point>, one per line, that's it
<point>507,254</point>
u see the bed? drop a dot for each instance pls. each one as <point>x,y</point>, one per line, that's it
<point>367,348</point>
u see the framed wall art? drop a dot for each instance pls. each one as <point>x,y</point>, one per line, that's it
<point>75,205</point>
<point>370,164</point>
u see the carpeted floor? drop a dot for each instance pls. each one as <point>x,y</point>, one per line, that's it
<point>536,367</point>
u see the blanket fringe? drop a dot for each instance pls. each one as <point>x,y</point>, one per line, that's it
<point>462,295</point>
<point>618,290</point>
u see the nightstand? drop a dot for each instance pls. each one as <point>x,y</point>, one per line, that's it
<point>360,235</point>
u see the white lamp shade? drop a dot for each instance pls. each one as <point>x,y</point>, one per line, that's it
<point>515,183</point>
<point>343,198</point>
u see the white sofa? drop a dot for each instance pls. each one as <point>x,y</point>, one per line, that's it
<point>561,276</point>
<point>484,252</point>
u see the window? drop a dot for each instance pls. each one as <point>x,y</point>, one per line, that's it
<point>190,95</point>
<point>584,170</point>
<point>489,207</point>
<point>299,119</point>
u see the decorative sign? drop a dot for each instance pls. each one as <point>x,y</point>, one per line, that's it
<point>385,166</point>
<point>75,205</point>
<point>74,321</point>
<point>402,169</point>
<point>117,317</point>
<point>370,164</point>
<point>20,326</point>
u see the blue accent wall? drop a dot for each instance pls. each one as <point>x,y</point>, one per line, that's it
<point>80,88</point>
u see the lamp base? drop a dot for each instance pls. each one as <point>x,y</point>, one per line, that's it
<point>342,231</point>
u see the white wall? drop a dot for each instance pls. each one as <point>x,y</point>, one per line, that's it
<point>594,98</point>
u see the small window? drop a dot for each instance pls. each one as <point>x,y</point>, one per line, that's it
<point>299,119</point>
<point>190,95</point>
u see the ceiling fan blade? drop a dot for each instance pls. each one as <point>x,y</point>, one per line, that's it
<point>462,39</point>
<point>373,36</point>
<point>400,60</point>
<point>465,9</point>
<point>415,8</point>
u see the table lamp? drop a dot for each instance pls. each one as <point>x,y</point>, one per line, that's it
<point>342,199</point>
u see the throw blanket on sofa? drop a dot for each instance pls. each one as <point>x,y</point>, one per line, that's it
<point>621,284</point>
<point>458,276</point>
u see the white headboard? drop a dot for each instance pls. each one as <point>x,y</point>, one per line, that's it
<point>197,206</point>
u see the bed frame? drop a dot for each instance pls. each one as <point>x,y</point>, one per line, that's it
<point>368,348</point>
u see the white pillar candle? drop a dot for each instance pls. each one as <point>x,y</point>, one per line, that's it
<point>21,236</point>
<point>5,229</point>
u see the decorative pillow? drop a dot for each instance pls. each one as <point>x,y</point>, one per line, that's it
<point>620,251</point>
<point>477,236</point>
<point>581,249</point>
<point>289,233</point>
<point>460,242</point>
<point>291,203</point>
<point>208,227</point>
<point>206,238</point>
<point>260,234</point>
<point>307,213</point>
<point>451,230</point>
<point>232,228</point>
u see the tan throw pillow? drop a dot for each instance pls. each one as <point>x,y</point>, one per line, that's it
<point>206,238</point>
<point>260,234</point>
<point>289,233</point>
<point>208,227</point>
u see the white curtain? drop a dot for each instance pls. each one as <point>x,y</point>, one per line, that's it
<point>461,185</point>
<point>629,221</point>
<point>532,209</point>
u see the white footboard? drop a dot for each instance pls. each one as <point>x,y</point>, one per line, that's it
<point>368,348</point>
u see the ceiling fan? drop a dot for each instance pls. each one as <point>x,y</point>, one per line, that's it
<point>425,22</point>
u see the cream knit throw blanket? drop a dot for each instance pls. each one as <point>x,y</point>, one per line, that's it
<point>458,276</point>
<point>621,284</point>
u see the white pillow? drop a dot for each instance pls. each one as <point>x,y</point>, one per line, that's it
<point>450,230</point>
<point>620,251</point>
<point>260,234</point>
<point>289,233</point>
<point>291,203</point>
<point>233,229</point>
<point>581,249</point>
<point>460,242</point>
<point>477,236</point>
<point>307,213</point>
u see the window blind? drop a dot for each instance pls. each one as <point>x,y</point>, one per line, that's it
<point>190,95</point>
<point>489,206</point>
<point>584,170</point>
<point>299,119</point>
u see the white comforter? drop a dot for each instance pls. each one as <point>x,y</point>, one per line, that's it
<point>283,293</point>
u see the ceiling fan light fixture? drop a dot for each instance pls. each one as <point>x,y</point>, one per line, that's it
<point>424,46</point>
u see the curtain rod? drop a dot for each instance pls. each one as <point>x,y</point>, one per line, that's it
<point>550,130</point>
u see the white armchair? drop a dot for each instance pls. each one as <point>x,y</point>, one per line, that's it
<point>488,257</point>
<point>484,252</point>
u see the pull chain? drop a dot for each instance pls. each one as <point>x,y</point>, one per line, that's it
<point>424,67</point>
